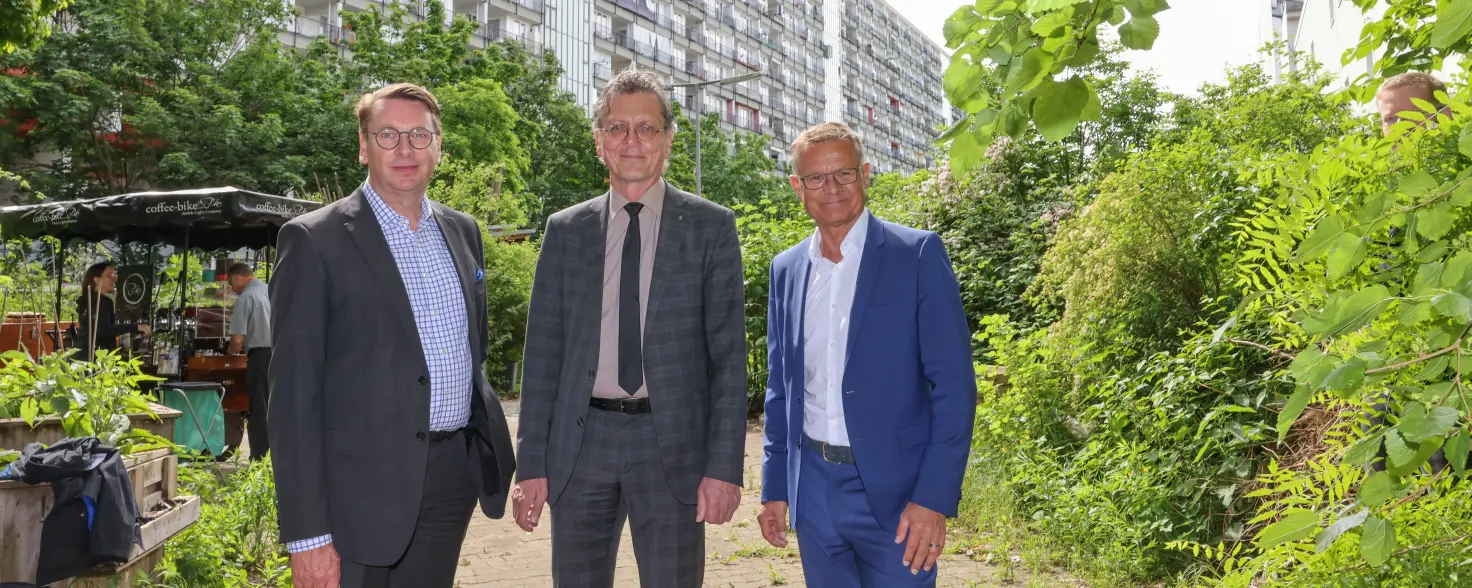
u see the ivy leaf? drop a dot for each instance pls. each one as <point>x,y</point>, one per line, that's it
<point>1396,448</point>
<point>1453,21</point>
<point>1345,380</point>
<point>1145,7</point>
<point>961,23</point>
<point>1378,541</point>
<point>1364,451</point>
<point>1434,222</point>
<point>1456,451</point>
<point>1332,532</point>
<point>1057,112</point>
<point>1456,270</point>
<point>1052,21</point>
<point>1418,424</point>
<point>1377,489</point>
<point>1348,253</point>
<point>1296,403</point>
<point>1023,75</point>
<point>1300,524</point>
<point>1320,240</point>
<point>1454,305</point>
<point>1140,32</point>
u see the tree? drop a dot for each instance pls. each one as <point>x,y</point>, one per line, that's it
<point>23,24</point>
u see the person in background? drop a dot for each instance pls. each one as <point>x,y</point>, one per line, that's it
<point>871,393</point>
<point>96,317</point>
<point>250,334</point>
<point>1398,94</point>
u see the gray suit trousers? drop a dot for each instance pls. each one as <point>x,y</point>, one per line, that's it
<point>619,475</point>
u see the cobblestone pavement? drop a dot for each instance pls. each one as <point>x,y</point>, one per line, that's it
<point>497,553</point>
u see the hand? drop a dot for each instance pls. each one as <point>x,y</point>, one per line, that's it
<point>773,521</point>
<point>145,330</point>
<point>526,502</point>
<point>316,568</point>
<point>927,533</point>
<point>716,501</point>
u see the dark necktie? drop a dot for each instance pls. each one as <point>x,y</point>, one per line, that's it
<point>630,349</point>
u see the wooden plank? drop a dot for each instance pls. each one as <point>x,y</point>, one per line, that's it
<point>155,533</point>
<point>16,434</point>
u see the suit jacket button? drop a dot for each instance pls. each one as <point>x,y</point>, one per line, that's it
<point>423,380</point>
<point>419,435</point>
<point>580,422</point>
<point>592,373</point>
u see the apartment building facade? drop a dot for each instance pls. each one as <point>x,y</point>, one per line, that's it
<point>856,61</point>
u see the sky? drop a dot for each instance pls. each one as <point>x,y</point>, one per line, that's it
<point>1198,38</point>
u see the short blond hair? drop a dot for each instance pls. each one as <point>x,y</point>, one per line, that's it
<point>400,91</point>
<point>823,133</point>
<point>1422,80</point>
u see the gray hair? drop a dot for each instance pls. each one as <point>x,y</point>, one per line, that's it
<point>632,80</point>
<point>823,133</point>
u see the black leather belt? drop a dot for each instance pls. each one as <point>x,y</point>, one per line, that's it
<point>438,436</point>
<point>621,405</point>
<point>831,453</point>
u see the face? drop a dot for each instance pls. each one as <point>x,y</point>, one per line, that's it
<point>1398,100</point>
<point>107,281</point>
<point>403,168</point>
<point>631,158</point>
<point>238,283</point>
<point>833,204</point>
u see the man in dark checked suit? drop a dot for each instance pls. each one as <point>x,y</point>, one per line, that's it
<point>384,431</point>
<point>633,400</point>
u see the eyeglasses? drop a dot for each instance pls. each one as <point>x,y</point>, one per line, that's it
<point>843,177</point>
<point>618,131</point>
<point>388,138</point>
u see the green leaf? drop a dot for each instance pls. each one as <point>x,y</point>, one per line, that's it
<point>1464,144</point>
<point>1093,110</point>
<point>1145,7</point>
<point>963,80</point>
<point>1023,75</point>
<point>1086,53</point>
<point>1293,527</point>
<point>1013,120</point>
<point>1454,305</point>
<point>1457,447</point>
<point>1418,424</point>
<point>29,408</point>
<point>1434,393</point>
<point>1037,6</point>
<point>1396,448</point>
<point>1416,184</point>
<point>5,411</point>
<point>1140,32</point>
<point>1312,366</point>
<point>1453,21</point>
<point>1456,270</point>
<point>60,405</point>
<point>1116,16</point>
<point>1357,309</point>
<point>961,23</point>
<point>1435,221</point>
<point>1432,252</point>
<point>1296,403</point>
<point>1377,489</point>
<point>1423,451</point>
<point>1364,451</point>
<point>966,152</point>
<point>1428,279</point>
<point>1378,541</point>
<point>1332,532</point>
<point>1415,313</point>
<point>955,130</point>
<point>1320,240</point>
<point>1057,112</point>
<point>1052,21</point>
<point>1433,368</point>
<point>1345,380</point>
<point>1348,252</point>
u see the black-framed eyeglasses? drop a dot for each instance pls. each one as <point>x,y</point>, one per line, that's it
<point>388,137</point>
<point>645,132</point>
<point>843,177</point>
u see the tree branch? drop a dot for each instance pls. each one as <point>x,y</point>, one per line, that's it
<point>1275,352</point>
<point>1412,548</point>
<point>1435,354</point>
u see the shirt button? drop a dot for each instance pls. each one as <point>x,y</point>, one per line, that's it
<point>423,380</point>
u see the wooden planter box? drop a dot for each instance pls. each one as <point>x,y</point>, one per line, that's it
<point>153,476</point>
<point>16,434</point>
<point>156,532</point>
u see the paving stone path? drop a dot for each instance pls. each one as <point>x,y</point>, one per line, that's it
<point>498,553</point>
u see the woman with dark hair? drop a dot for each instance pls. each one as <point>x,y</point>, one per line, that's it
<point>97,283</point>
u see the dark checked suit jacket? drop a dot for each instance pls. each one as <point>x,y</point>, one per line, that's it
<point>694,344</point>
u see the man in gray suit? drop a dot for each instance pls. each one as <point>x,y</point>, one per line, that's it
<point>383,429</point>
<point>633,401</point>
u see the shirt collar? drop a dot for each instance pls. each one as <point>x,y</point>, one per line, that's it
<point>255,283</point>
<point>386,214</point>
<point>853,241</point>
<point>653,199</point>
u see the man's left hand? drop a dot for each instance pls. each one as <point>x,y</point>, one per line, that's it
<point>716,501</point>
<point>927,534</point>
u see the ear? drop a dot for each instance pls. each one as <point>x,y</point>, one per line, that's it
<point>362,148</point>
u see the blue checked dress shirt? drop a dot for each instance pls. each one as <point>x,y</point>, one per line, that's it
<point>435,294</point>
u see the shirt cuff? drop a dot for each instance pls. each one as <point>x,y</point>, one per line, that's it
<point>308,544</point>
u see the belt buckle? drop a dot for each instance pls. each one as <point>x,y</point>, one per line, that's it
<point>823,451</point>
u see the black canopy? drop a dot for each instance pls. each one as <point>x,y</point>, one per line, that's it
<point>206,218</point>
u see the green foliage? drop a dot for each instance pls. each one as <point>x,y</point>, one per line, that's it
<point>734,168</point>
<point>765,228</point>
<point>24,23</point>
<point>510,268</point>
<point>91,399</point>
<point>234,542</point>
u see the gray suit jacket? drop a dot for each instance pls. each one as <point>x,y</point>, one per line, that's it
<point>694,344</point>
<point>349,383</point>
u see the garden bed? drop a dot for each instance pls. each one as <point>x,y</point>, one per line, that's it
<point>16,434</point>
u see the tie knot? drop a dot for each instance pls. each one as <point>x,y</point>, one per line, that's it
<point>633,208</point>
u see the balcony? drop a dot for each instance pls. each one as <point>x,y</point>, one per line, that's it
<point>695,69</point>
<point>603,70</point>
<point>494,35</point>
<point>605,33</point>
<point>533,5</point>
<point>637,7</point>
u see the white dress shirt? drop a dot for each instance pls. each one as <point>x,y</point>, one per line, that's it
<point>827,305</point>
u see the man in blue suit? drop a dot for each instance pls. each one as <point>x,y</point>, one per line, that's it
<point>872,391</point>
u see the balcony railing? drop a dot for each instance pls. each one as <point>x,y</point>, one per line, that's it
<point>603,70</point>
<point>638,7</point>
<point>695,69</point>
<point>533,5</point>
<point>605,33</point>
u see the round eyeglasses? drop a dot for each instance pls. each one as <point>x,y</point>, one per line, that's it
<point>419,137</point>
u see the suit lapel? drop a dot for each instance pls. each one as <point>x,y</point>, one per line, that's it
<point>869,270</point>
<point>672,229</point>
<point>460,250</point>
<point>368,236</point>
<point>594,232</point>
<point>798,277</point>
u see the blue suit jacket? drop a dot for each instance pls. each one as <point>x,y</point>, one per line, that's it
<point>909,383</point>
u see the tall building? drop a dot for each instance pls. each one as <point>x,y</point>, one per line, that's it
<point>856,61</point>
<point>1325,30</point>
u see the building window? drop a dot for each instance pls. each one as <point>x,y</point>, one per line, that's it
<point>870,111</point>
